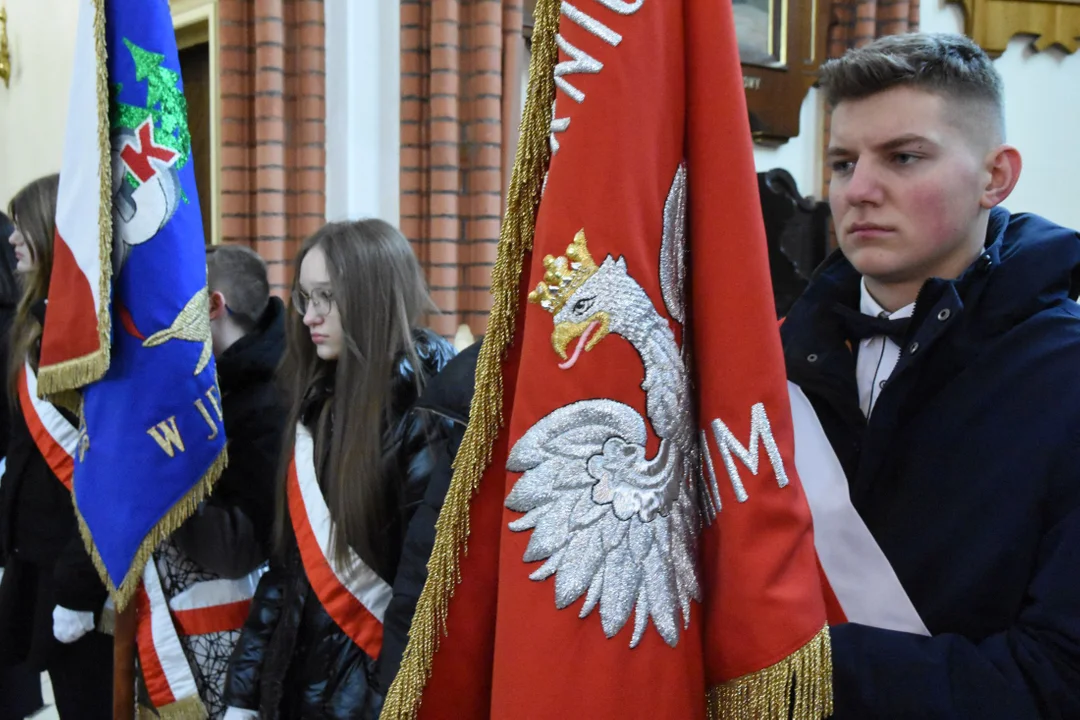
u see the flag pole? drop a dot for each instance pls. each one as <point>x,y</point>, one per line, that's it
<point>124,664</point>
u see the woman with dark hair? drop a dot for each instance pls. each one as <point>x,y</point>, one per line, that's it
<point>356,467</point>
<point>20,687</point>
<point>50,595</point>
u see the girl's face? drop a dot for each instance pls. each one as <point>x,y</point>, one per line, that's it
<point>315,302</point>
<point>24,257</point>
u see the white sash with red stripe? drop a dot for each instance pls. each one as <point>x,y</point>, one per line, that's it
<point>53,434</point>
<point>214,605</point>
<point>205,607</point>
<point>860,576</point>
<point>353,594</point>
<point>165,669</point>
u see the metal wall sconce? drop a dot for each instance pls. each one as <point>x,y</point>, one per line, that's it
<point>5,58</point>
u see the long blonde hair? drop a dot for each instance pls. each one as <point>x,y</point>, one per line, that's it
<point>380,293</point>
<point>33,211</point>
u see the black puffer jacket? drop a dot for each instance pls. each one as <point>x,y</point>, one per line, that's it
<point>229,534</point>
<point>292,660</point>
<point>448,398</point>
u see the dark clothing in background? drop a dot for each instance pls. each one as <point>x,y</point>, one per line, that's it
<point>229,534</point>
<point>448,396</point>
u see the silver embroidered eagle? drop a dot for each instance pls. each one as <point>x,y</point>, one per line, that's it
<point>609,521</point>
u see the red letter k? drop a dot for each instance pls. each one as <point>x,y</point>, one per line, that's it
<point>137,153</point>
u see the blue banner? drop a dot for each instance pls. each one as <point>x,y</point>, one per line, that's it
<point>152,440</point>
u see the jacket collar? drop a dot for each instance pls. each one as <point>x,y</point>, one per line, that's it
<point>253,359</point>
<point>1028,264</point>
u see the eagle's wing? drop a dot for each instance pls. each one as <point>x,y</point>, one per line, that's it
<point>585,490</point>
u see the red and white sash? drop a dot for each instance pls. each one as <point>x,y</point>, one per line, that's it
<point>353,594</point>
<point>165,669</point>
<point>210,606</point>
<point>214,605</point>
<point>864,585</point>
<point>53,434</point>
<point>205,607</point>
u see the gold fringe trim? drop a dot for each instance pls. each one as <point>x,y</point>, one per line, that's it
<point>63,378</point>
<point>190,708</point>
<point>107,624</point>
<point>798,687</point>
<point>485,415</point>
<point>165,527</point>
<point>70,400</point>
<point>80,371</point>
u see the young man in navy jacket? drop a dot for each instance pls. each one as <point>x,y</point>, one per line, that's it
<point>940,351</point>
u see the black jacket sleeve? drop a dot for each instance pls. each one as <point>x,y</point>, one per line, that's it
<point>242,683</point>
<point>78,584</point>
<point>222,540</point>
<point>1030,670</point>
<point>416,551</point>
<point>4,530</point>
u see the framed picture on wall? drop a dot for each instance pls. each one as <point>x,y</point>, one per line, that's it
<point>781,46</point>
<point>759,30</point>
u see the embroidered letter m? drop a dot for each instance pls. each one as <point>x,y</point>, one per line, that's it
<point>760,433</point>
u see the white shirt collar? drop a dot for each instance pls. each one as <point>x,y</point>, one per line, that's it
<point>869,306</point>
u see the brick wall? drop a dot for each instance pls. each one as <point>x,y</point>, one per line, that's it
<point>460,97</point>
<point>273,108</point>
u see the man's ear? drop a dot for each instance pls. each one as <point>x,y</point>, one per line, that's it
<point>217,305</point>
<point>1003,166</point>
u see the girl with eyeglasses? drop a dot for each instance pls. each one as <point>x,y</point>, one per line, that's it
<point>355,466</point>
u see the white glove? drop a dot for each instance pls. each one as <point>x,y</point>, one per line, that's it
<point>70,625</point>
<point>235,713</point>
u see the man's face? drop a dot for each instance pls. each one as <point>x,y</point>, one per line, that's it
<point>907,186</point>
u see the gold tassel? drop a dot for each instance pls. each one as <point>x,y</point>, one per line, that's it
<point>190,708</point>
<point>798,687</point>
<point>165,527</point>
<point>485,415</point>
<point>75,373</point>
<point>70,400</point>
<point>107,623</point>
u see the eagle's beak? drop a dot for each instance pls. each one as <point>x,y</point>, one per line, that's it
<point>590,332</point>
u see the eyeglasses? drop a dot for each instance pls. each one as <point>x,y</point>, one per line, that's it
<point>320,300</point>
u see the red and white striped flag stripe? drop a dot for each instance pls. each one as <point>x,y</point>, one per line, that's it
<point>75,343</point>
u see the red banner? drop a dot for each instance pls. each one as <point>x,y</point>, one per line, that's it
<point>639,545</point>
